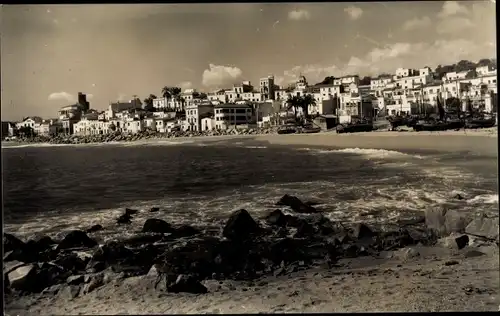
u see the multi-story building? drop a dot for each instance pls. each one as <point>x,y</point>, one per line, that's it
<point>91,126</point>
<point>267,88</point>
<point>48,127</point>
<point>227,115</point>
<point>29,122</point>
<point>346,80</point>
<point>195,113</point>
<point>486,70</point>
<point>451,76</point>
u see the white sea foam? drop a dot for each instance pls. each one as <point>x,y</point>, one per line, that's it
<point>374,153</point>
<point>484,199</point>
<point>256,147</point>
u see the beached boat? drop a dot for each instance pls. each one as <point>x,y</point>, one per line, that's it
<point>438,125</point>
<point>354,128</point>
<point>287,129</point>
<point>308,129</point>
<point>480,122</point>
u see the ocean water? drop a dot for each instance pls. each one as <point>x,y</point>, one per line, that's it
<point>52,189</point>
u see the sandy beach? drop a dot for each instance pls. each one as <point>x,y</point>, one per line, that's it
<point>437,279</point>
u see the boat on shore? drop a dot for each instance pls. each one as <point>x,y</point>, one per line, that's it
<point>309,129</point>
<point>287,129</point>
<point>438,125</point>
<point>354,127</point>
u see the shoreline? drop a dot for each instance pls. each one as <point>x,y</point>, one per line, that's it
<point>479,141</point>
<point>363,270</point>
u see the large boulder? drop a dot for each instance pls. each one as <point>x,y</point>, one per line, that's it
<point>454,241</point>
<point>23,277</point>
<point>296,204</point>
<point>154,225</point>
<point>187,284</point>
<point>362,232</point>
<point>76,239</point>
<point>435,220</point>
<point>124,219</point>
<point>240,226</point>
<point>482,226</point>
<point>11,243</point>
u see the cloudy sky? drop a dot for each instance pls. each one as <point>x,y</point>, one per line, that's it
<point>112,52</point>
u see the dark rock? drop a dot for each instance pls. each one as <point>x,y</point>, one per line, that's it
<point>71,262</point>
<point>124,219</point>
<point>305,230</point>
<point>296,204</point>
<point>459,196</point>
<point>293,221</point>
<point>129,211</point>
<point>187,284</point>
<point>185,231</point>
<point>361,231</point>
<point>94,228</point>
<point>393,240</point>
<point>49,274</point>
<point>112,252</point>
<point>52,290</point>
<point>451,263</point>
<point>11,243</point>
<point>76,238</point>
<point>153,225</point>
<point>240,226</point>
<point>277,218</point>
<point>154,209</point>
<point>454,241</point>
<point>484,227</point>
<point>75,279</point>
<point>462,241</point>
<point>40,244</point>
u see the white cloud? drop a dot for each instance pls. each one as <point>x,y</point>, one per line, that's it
<point>387,59</point>
<point>219,76</point>
<point>354,12</point>
<point>454,25</point>
<point>452,8</point>
<point>185,85</point>
<point>417,23</point>
<point>62,96</point>
<point>298,15</point>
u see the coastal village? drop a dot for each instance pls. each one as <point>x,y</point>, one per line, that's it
<point>246,106</point>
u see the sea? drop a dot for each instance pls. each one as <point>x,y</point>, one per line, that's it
<point>51,189</point>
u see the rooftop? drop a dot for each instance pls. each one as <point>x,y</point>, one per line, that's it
<point>232,106</point>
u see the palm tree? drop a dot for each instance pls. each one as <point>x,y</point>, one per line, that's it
<point>307,101</point>
<point>148,102</point>
<point>295,103</point>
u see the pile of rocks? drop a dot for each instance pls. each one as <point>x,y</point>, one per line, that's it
<point>148,134</point>
<point>182,256</point>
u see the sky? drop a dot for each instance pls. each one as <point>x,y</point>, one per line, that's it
<point>49,53</point>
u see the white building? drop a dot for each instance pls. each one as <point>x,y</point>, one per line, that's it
<point>91,127</point>
<point>29,122</point>
<point>346,80</point>
<point>227,115</point>
<point>451,76</point>
<point>195,113</point>
<point>486,70</point>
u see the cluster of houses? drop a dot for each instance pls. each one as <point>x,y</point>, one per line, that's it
<point>246,106</point>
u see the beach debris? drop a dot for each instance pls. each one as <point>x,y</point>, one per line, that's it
<point>154,209</point>
<point>451,263</point>
<point>124,219</point>
<point>154,225</point>
<point>240,226</point>
<point>296,204</point>
<point>94,228</point>
<point>76,238</point>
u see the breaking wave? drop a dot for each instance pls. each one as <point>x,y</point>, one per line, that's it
<point>368,152</point>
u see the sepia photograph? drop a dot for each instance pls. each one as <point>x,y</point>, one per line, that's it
<point>219,158</point>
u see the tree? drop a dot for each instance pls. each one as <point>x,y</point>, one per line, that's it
<point>148,102</point>
<point>298,102</point>
<point>26,131</point>
<point>327,81</point>
<point>365,81</point>
<point>203,96</point>
<point>464,65</point>
<point>171,93</point>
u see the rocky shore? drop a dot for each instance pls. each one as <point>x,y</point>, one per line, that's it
<point>148,134</point>
<point>182,259</point>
